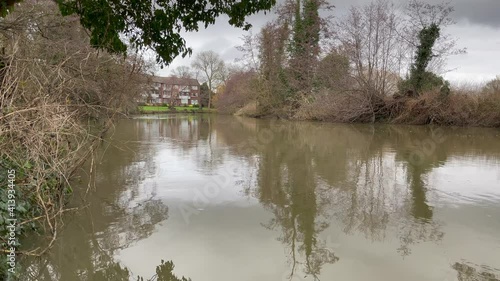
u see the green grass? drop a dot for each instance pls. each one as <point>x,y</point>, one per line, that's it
<point>155,109</point>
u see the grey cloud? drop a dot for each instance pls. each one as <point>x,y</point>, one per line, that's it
<point>230,54</point>
<point>477,29</point>
<point>484,12</point>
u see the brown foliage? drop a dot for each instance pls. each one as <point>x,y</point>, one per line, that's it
<point>58,96</point>
<point>430,108</point>
<point>453,110</point>
<point>237,93</point>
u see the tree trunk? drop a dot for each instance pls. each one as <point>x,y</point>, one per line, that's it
<point>209,94</point>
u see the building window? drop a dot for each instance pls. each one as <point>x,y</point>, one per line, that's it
<point>194,87</point>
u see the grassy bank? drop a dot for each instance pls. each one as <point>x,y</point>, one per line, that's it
<point>151,109</point>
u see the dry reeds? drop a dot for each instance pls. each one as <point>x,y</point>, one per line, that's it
<point>459,108</point>
<point>58,95</point>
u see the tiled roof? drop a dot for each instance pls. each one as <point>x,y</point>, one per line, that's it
<point>175,81</point>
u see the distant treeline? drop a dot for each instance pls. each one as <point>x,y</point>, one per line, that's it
<point>376,63</point>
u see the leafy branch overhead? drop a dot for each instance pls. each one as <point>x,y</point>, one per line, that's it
<point>155,24</point>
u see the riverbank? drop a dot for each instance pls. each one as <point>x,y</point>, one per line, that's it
<point>151,109</point>
<point>54,112</point>
<point>432,108</point>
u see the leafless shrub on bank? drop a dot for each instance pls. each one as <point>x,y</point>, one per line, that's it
<point>58,97</point>
<point>456,109</point>
<point>237,92</point>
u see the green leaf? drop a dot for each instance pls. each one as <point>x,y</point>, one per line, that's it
<point>27,165</point>
<point>20,208</point>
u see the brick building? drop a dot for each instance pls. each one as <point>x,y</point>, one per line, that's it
<point>173,91</point>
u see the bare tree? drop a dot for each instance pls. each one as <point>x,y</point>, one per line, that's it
<point>420,15</point>
<point>183,71</point>
<point>212,67</point>
<point>492,87</point>
<point>250,58</point>
<point>368,36</point>
<point>272,91</point>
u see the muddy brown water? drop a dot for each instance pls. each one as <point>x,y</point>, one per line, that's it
<point>229,198</point>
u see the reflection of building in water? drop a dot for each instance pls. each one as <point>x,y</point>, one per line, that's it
<point>187,128</point>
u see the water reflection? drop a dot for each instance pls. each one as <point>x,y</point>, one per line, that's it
<point>470,272</point>
<point>117,213</point>
<point>299,183</point>
<point>317,185</point>
<point>371,179</point>
<point>116,272</point>
<point>288,188</point>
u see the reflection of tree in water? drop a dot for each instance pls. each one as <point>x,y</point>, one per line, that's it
<point>121,211</point>
<point>470,272</point>
<point>87,253</point>
<point>135,224</point>
<point>287,187</point>
<point>378,193</point>
<point>307,173</point>
<point>421,226</point>
<point>363,175</point>
<point>115,272</point>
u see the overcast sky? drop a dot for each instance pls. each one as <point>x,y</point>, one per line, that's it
<point>477,29</point>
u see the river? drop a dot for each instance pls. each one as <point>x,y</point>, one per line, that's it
<point>226,198</point>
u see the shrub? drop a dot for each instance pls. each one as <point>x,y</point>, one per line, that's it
<point>492,87</point>
<point>239,91</point>
<point>430,82</point>
<point>453,108</point>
